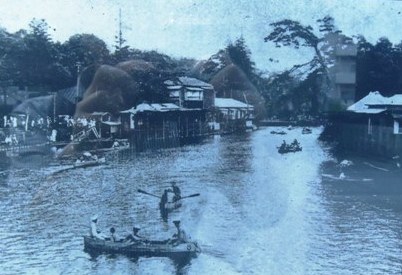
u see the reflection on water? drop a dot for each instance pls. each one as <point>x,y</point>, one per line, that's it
<point>259,212</point>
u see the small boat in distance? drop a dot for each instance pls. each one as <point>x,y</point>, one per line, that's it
<point>306,131</point>
<point>278,132</point>
<point>79,164</point>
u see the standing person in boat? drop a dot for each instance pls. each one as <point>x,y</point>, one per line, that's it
<point>176,191</point>
<point>94,230</point>
<point>162,205</point>
<point>283,145</point>
<point>181,235</point>
<point>134,237</point>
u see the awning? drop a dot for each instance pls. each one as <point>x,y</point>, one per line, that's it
<point>111,123</point>
<point>193,89</point>
<point>368,111</point>
<point>174,87</point>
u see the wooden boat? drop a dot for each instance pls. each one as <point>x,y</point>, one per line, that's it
<point>80,164</point>
<point>289,148</point>
<point>278,132</point>
<point>306,131</point>
<point>88,163</point>
<point>142,249</point>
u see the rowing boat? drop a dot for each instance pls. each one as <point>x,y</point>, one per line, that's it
<point>142,249</point>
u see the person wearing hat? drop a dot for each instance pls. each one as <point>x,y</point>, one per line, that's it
<point>112,234</point>
<point>95,233</point>
<point>181,235</point>
<point>134,237</point>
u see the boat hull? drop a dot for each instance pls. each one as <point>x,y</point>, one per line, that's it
<point>289,150</point>
<point>146,249</point>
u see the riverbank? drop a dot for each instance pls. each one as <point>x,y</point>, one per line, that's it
<point>285,123</point>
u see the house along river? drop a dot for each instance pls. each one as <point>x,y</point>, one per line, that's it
<point>259,212</point>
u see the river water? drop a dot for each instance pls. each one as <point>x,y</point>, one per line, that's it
<point>259,212</point>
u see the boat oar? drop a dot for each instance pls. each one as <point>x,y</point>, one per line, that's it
<point>144,192</point>
<point>190,196</point>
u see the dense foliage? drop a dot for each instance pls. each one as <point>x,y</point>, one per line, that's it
<point>379,67</point>
<point>30,59</point>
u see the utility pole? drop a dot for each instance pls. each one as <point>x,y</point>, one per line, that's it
<point>77,94</point>
<point>120,32</point>
<point>119,37</point>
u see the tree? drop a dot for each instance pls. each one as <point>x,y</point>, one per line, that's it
<point>240,55</point>
<point>379,67</point>
<point>37,57</point>
<point>324,44</point>
<point>8,44</point>
<point>83,50</point>
<point>278,94</point>
<point>292,33</point>
<point>122,52</point>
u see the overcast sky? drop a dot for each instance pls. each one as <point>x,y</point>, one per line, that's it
<point>199,28</point>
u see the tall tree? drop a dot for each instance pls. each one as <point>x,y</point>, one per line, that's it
<point>122,51</point>
<point>37,56</point>
<point>379,67</point>
<point>240,55</point>
<point>324,43</point>
<point>83,50</point>
<point>292,33</point>
<point>9,44</point>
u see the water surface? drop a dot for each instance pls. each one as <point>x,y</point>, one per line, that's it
<point>259,212</point>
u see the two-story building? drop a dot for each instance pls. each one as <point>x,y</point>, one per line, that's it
<point>190,92</point>
<point>342,53</point>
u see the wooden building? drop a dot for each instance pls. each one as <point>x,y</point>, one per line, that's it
<point>162,125</point>
<point>372,125</point>
<point>107,125</point>
<point>233,115</point>
<point>341,53</point>
<point>190,92</point>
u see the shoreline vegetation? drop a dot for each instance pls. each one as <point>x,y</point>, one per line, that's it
<point>35,66</point>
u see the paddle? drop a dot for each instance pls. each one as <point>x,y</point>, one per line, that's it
<point>144,192</point>
<point>190,196</point>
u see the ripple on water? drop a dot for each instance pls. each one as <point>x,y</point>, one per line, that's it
<point>259,212</point>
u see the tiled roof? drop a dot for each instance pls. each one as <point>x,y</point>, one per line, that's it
<point>187,82</point>
<point>71,93</point>
<point>154,107</point>
<point>194,82</point>
<point>375,99</point>
<point>231,103</point>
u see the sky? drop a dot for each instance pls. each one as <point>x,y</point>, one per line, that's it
<point>199,28</point>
